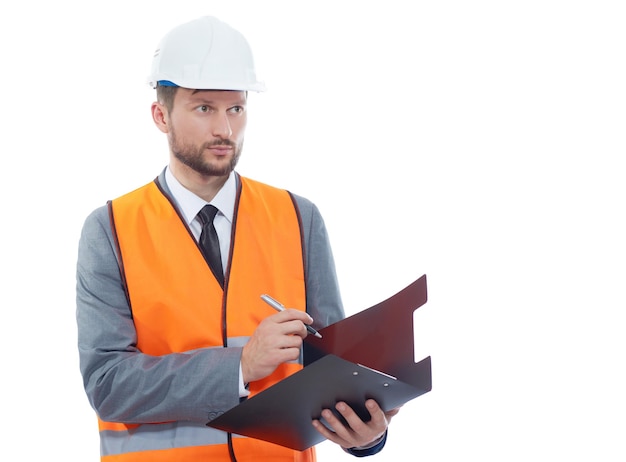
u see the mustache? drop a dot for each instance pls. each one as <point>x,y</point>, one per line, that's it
<point>220,143</point>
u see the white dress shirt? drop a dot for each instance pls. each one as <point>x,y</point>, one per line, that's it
<point>190,205</point>
<point>224,201</point>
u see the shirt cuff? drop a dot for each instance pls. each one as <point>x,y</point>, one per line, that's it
<point>369,450</point>
<point>243,388</point>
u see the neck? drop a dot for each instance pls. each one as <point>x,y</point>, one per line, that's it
<point>204,186</point>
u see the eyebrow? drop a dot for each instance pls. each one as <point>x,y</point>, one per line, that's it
<point>240,101</point>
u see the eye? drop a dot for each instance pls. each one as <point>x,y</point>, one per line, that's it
<point>237,109</point>
<point>203,108</point>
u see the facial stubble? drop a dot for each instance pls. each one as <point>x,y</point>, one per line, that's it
<point>193,156</point>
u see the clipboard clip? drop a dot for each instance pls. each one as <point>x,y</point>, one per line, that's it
<point>377,371</point>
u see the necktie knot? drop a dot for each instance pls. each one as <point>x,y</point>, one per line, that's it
<point>207,214</point>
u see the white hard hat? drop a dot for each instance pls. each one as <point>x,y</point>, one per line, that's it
<point>205,54</point>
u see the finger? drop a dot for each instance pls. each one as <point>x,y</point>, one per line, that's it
<point>389,414</point>
<point>293,314</point>
<point>289,341</point>
<point>352,418</point>
<point>289,326</point>
<point>334,429</point>
<point>296,328</point>
<point>374,409</point>
<point>379,420</point>
<point>360,432</point>
<point>287,355</point>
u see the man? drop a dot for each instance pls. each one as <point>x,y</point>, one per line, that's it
<point>171,335</point>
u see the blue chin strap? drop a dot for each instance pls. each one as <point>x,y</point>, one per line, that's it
<point>166,83</point>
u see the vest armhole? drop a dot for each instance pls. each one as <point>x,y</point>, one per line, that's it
<point>302,243</point>
<point>118,252</point>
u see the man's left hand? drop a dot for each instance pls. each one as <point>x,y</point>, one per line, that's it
<point>357,434</point>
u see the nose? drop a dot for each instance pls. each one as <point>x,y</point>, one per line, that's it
<point>221,126</point>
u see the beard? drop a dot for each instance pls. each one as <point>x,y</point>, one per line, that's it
<point>193,156</point>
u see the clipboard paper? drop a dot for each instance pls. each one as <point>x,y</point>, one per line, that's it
<point>367,355</point>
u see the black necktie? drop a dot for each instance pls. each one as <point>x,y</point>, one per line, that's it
<point>209,243</point>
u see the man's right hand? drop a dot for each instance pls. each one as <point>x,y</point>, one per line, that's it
<point>276,340</point>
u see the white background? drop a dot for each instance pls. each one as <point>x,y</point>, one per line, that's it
<point>478,142</point>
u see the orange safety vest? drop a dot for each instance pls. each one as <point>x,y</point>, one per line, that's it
<point>163,269</point>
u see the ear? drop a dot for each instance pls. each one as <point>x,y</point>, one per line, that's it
<point>160,116</point>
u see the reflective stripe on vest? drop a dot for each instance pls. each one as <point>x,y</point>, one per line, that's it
<point>164,269</point>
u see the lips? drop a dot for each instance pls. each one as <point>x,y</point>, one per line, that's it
<point>220,149</point>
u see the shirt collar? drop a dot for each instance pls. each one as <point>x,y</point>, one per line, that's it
<point>190,204</point>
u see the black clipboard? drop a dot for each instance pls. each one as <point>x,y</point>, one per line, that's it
<point>367,355</point>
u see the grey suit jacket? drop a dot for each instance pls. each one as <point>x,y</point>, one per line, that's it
<point>125,385</point>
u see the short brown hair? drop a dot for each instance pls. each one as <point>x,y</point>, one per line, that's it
<point>165,96</point>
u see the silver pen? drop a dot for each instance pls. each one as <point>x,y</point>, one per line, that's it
<point>279,307</point>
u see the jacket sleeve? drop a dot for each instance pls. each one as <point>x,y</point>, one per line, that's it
<point>375,449</point>
<point>323,295</point>
<point>123,384</point>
